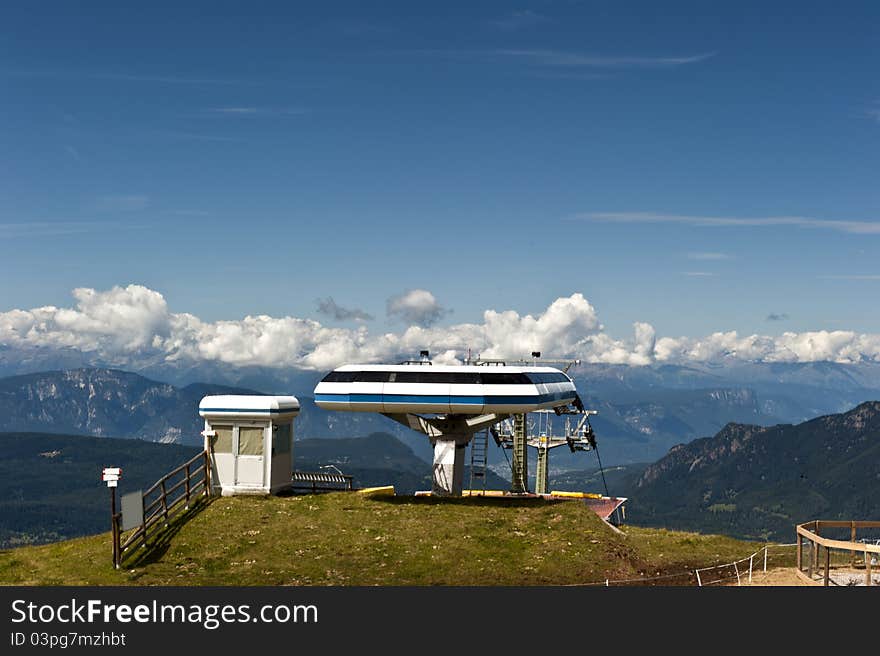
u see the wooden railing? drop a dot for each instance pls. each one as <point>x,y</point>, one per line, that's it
<point>810,540</point>
<point>165,499</point>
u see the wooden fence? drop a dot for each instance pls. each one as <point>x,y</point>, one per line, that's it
<point>169,496</point>
<point>810,541</point>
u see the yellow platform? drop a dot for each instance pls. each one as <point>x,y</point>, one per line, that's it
<point>382,491</point>
<point>576,495</point>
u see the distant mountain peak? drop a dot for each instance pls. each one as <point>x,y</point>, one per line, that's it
<point>758,481</point>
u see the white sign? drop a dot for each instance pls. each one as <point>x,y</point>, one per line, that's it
<point>111,475</point>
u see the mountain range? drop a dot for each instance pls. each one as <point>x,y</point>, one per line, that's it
<point>757,482</point>
<point>643,411</point>
<point>749,480</point>
<point>50,483</point>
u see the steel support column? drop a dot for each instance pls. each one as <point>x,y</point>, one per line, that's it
<point>449,436</point>
<point>542,478</point>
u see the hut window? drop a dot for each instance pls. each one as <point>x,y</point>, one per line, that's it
<point>250,441</point>
<point>222,441</point>
<point>281,441</point>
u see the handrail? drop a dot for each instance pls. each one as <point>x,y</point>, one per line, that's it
<point>166,505</point>
<point>816,540</point>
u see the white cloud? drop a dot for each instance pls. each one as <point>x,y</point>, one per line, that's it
<point>518,20</point>
<point>836,346</point>
<point>851,277</point>
<point>256,111</point>
<point>52,228</point>
<point>132,326</point>
<point>119,321</point>
<point>564,59</point>
<point>416,307</point>
<point>708,256</point>
<point>843,225</point>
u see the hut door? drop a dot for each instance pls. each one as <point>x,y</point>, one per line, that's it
<point>249,469</point>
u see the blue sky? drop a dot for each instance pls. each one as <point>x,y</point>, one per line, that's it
<point>252,158</point>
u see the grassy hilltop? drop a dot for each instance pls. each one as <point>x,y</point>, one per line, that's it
<point>351,539</point>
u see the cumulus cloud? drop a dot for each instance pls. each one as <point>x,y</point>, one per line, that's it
<point>416,307</point>
<point>122,320</point>
<point>132,326</point>
<point>327,306</point>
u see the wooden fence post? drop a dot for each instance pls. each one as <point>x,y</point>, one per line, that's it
<point>114,528</point>
<point>813,549</point>
<point>852,535</point>
<point>827,566</point>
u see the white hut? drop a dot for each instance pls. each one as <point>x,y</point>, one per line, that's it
<point>250,441</point>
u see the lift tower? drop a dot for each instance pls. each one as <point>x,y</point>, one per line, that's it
<point>519,465</point>
<point>577,435</point>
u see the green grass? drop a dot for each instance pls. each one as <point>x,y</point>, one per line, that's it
<point>351,539</point>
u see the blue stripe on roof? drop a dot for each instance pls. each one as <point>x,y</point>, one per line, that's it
<point>444,399</point>
<point>243,410</point>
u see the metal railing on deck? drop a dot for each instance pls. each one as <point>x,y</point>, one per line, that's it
<point>169,496</point>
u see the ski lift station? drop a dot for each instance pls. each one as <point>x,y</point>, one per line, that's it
<point>450,404</point>
<point>250,442</point>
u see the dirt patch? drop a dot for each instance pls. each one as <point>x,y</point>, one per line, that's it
<point>780,576</point>
<point>786,576</point>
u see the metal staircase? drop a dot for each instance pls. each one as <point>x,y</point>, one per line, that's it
<point>479,460</point>
<point>519,483</point>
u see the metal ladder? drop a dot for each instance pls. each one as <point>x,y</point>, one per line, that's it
<point>519,483</point>
<point>479,458</point>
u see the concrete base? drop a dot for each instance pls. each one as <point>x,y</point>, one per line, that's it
<point>226,491</point>
<point>448,468</point>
